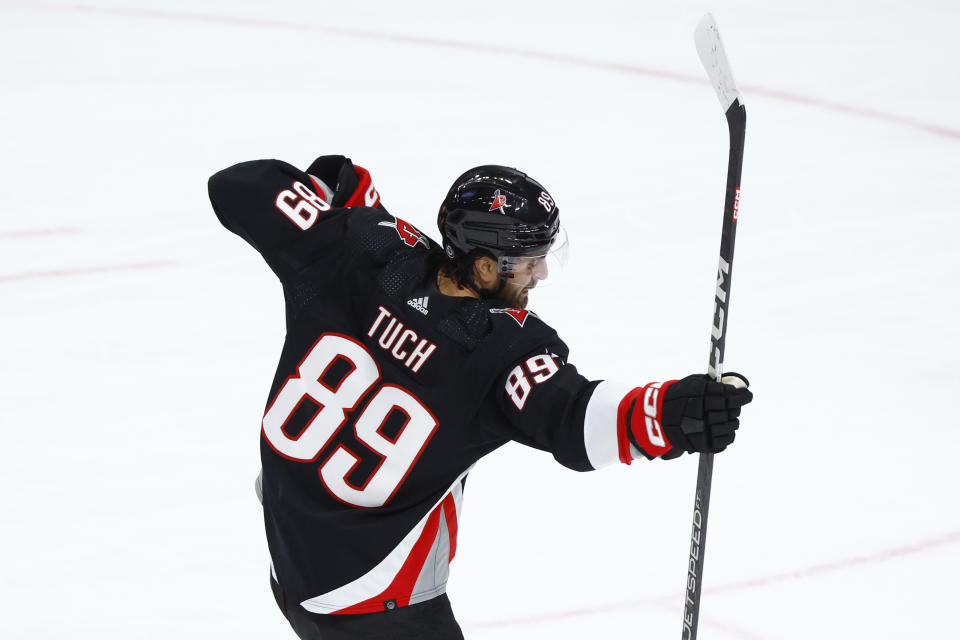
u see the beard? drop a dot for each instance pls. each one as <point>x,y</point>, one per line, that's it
<point>515,296</point>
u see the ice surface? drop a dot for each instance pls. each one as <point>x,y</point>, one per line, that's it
<point>139,338</point>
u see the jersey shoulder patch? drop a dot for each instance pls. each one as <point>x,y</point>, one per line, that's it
<point>409,234</point>
<point>518,331</point>
<point>519,315</point>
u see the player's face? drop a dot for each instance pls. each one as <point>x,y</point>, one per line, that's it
<point>527,272</point>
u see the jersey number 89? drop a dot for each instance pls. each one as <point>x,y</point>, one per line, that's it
<point>399,453</point>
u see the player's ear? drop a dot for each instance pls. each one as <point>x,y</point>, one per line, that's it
<point>485,269</point>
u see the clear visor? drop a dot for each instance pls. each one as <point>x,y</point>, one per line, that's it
<point>540,266</point>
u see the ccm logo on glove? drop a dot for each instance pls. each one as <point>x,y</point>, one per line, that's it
<point>693,414</point>
<point>644,419</point>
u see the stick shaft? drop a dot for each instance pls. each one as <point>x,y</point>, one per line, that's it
<point>736,121</point>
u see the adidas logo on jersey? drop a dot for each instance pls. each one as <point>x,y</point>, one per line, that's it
<point>420,304</point>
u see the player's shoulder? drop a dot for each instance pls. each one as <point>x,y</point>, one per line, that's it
<point>512,319</point>
<point>383,229</point>
<point>384,241</point>
<point>516,331</point>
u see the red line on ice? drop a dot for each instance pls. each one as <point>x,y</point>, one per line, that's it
<point>450,44</point>
<point>883,555</point>
<point>846,563</point>
<point>32,233</point>
<point>82,271</point>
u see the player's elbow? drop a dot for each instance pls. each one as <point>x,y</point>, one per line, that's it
<point>574,462</point>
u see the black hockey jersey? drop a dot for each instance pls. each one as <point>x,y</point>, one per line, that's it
<point>387,391</point>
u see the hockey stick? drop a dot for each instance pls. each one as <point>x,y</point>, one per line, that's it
<point>714,59</point>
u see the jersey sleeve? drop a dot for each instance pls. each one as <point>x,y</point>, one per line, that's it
<point>545,403</point>
<point>289,216</point>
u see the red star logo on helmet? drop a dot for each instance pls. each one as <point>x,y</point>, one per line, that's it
<point>499,201</point>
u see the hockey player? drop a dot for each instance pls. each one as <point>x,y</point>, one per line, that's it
<point>404,363</point>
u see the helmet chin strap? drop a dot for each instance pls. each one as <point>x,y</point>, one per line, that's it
<point>487,294</point>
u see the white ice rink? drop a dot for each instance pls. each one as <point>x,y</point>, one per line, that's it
<point>139,338</point>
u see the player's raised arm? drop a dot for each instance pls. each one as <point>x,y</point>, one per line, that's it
<point>286,214</point>
<point>588,425</point>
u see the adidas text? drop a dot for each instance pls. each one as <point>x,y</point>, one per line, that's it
<point>420,304</point>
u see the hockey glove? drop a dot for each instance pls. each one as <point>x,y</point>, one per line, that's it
<point>694,414</point>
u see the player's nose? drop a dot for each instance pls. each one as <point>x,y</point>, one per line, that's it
<point>540,269</point>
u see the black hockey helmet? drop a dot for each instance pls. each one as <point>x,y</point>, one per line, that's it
<point>501,210</point>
